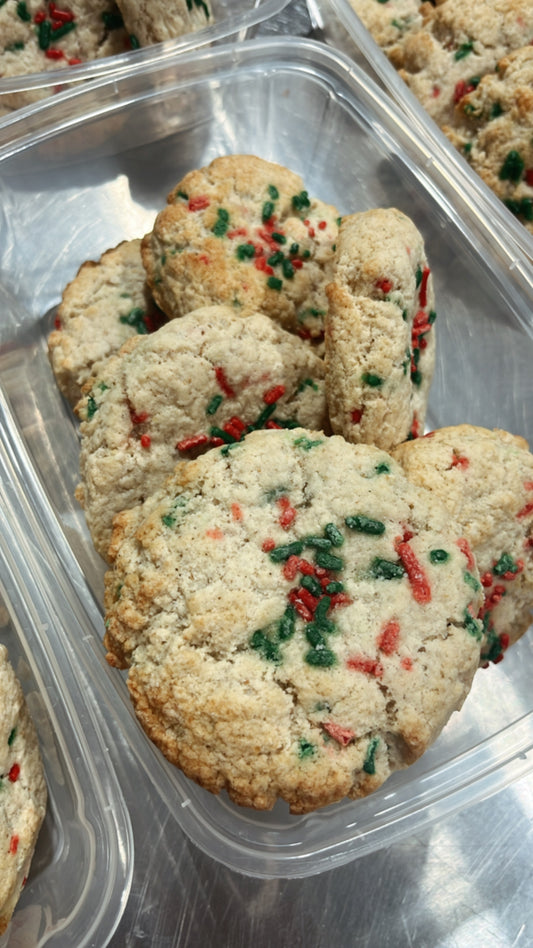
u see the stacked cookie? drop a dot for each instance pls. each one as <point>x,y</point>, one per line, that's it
<point>470,65</point>
<point>300,585</point>
<point>22,790</point>
<point>39,35</point>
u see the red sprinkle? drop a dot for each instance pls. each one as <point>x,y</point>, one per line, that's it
<point>274,394</point>
<point>145,441</point>
<point>268,545</point>
<point>235,427</point>
<point>14,773</point>
<point>39,17</point>
<point>370,666</point>
<point>343,735</point>
<point>223,382</point>
<point>407,663</point>
<point>301,608</point>
<point>13,844</point>
<point>525,510</point>
<point>261,264</point>
<point>288,513</point>
<point>422,292</point>
<point>237,232</point>
<point>486,579</point>
<point>464,546</point>
<point>338,599</point>
<point>460,461</point>
<point>236,511</point>
<point>419,582</point>
<point>435,92</point>
<point>384,285</point>
<point>64,16</point>
<point>388,637</point>
<point>57,323</point>
<point>199,203</point>
<point>138,417</point>
<point>356,415</point>
<point>322,225</point>
<point>54,53</point>
<point>195,441</point>
<point>215,533</point>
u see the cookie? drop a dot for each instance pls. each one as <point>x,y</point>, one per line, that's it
<point>105,304</point>
<point>154,22</point>
<point>389,21</point>
<point>485,478</point>
<point>202,380</point>
<point>380,341</point>
<point>243,232</point>
<point>297,618</point>
<point>23,792</point>
<point>38,35</point>
<point>493,128</point>
<point>459,42</point>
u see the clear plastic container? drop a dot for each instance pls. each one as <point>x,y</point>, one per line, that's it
<point>81,872</point>
<point>231,19</point>
<point>93,167</point>
<point>374,60</point>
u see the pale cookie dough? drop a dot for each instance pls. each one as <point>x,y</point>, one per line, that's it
<point>458,42</point>
<point>485,478</point>
<point>297,618</point>
<point>380,341</point>
<point>37,36</point>
<point>23,792</point>
<point>243,232</point>
<point>105,304</point>
<point>493,129</point>
<point>153,21</point>
<point>199,381</point>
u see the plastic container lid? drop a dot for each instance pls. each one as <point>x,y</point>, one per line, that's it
<point>91,168</point>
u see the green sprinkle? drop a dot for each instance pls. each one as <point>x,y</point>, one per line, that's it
<point>419,274</point>
<point>318,543</point>
<point>308,382</point>
<point>279,238</point>
<point>183,195</point>
<point>63,30</point>
<point>214,404</point>
<point>386,569</point>
<point>513,167</point>
<point>286,624</point>
<point>368,378</point>
<point>471,580</point>
<point>134,42</point>
<point>301,201</point>
<point>217,432</point>
<point>293,249</point>
<point>92,407</point>
<point>266,647</point>
<point>363,524</point>
<point>321,612</point>
<point>505,564</point>
<point>334,587</point>
<point>329,561</point>
<point>22,12</point>
<point>333,534</point>
<point>320,657</point>
<point>245,251</point>
<point>416,377</point>
<point>382,468</point>
<point>267,211</point>
<point>464,50</point>
<point>438,556</point>
<point>369,765</point>
<point>12,736</point>
<point>288,269</point>
<point>14,47</point>
<point>526,208</point>
<point>306,443</point>
<point>315,635</point>
<point>273,192</point>
<point>44,33</point>
<point>135,318</point>
<point>221,224</point>
<point>275,258</point>
<point>312,585</point>
<point>274,283</point>
<point>305,749</point>
<point>281,553</point>
<point>496,111</point>
<point>472,626</point>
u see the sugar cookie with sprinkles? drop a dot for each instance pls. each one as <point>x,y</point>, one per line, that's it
<point>153,22</point>
<point>106,303</point>
<point>38,36</point>
<point>296,616</point>
<point>380,340</point>
<point>494,131</point>
<point>200,381</point>
<point>243,232</point>
<point>457,45</point>
<point>485,478</point>
<point>23,793</point>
